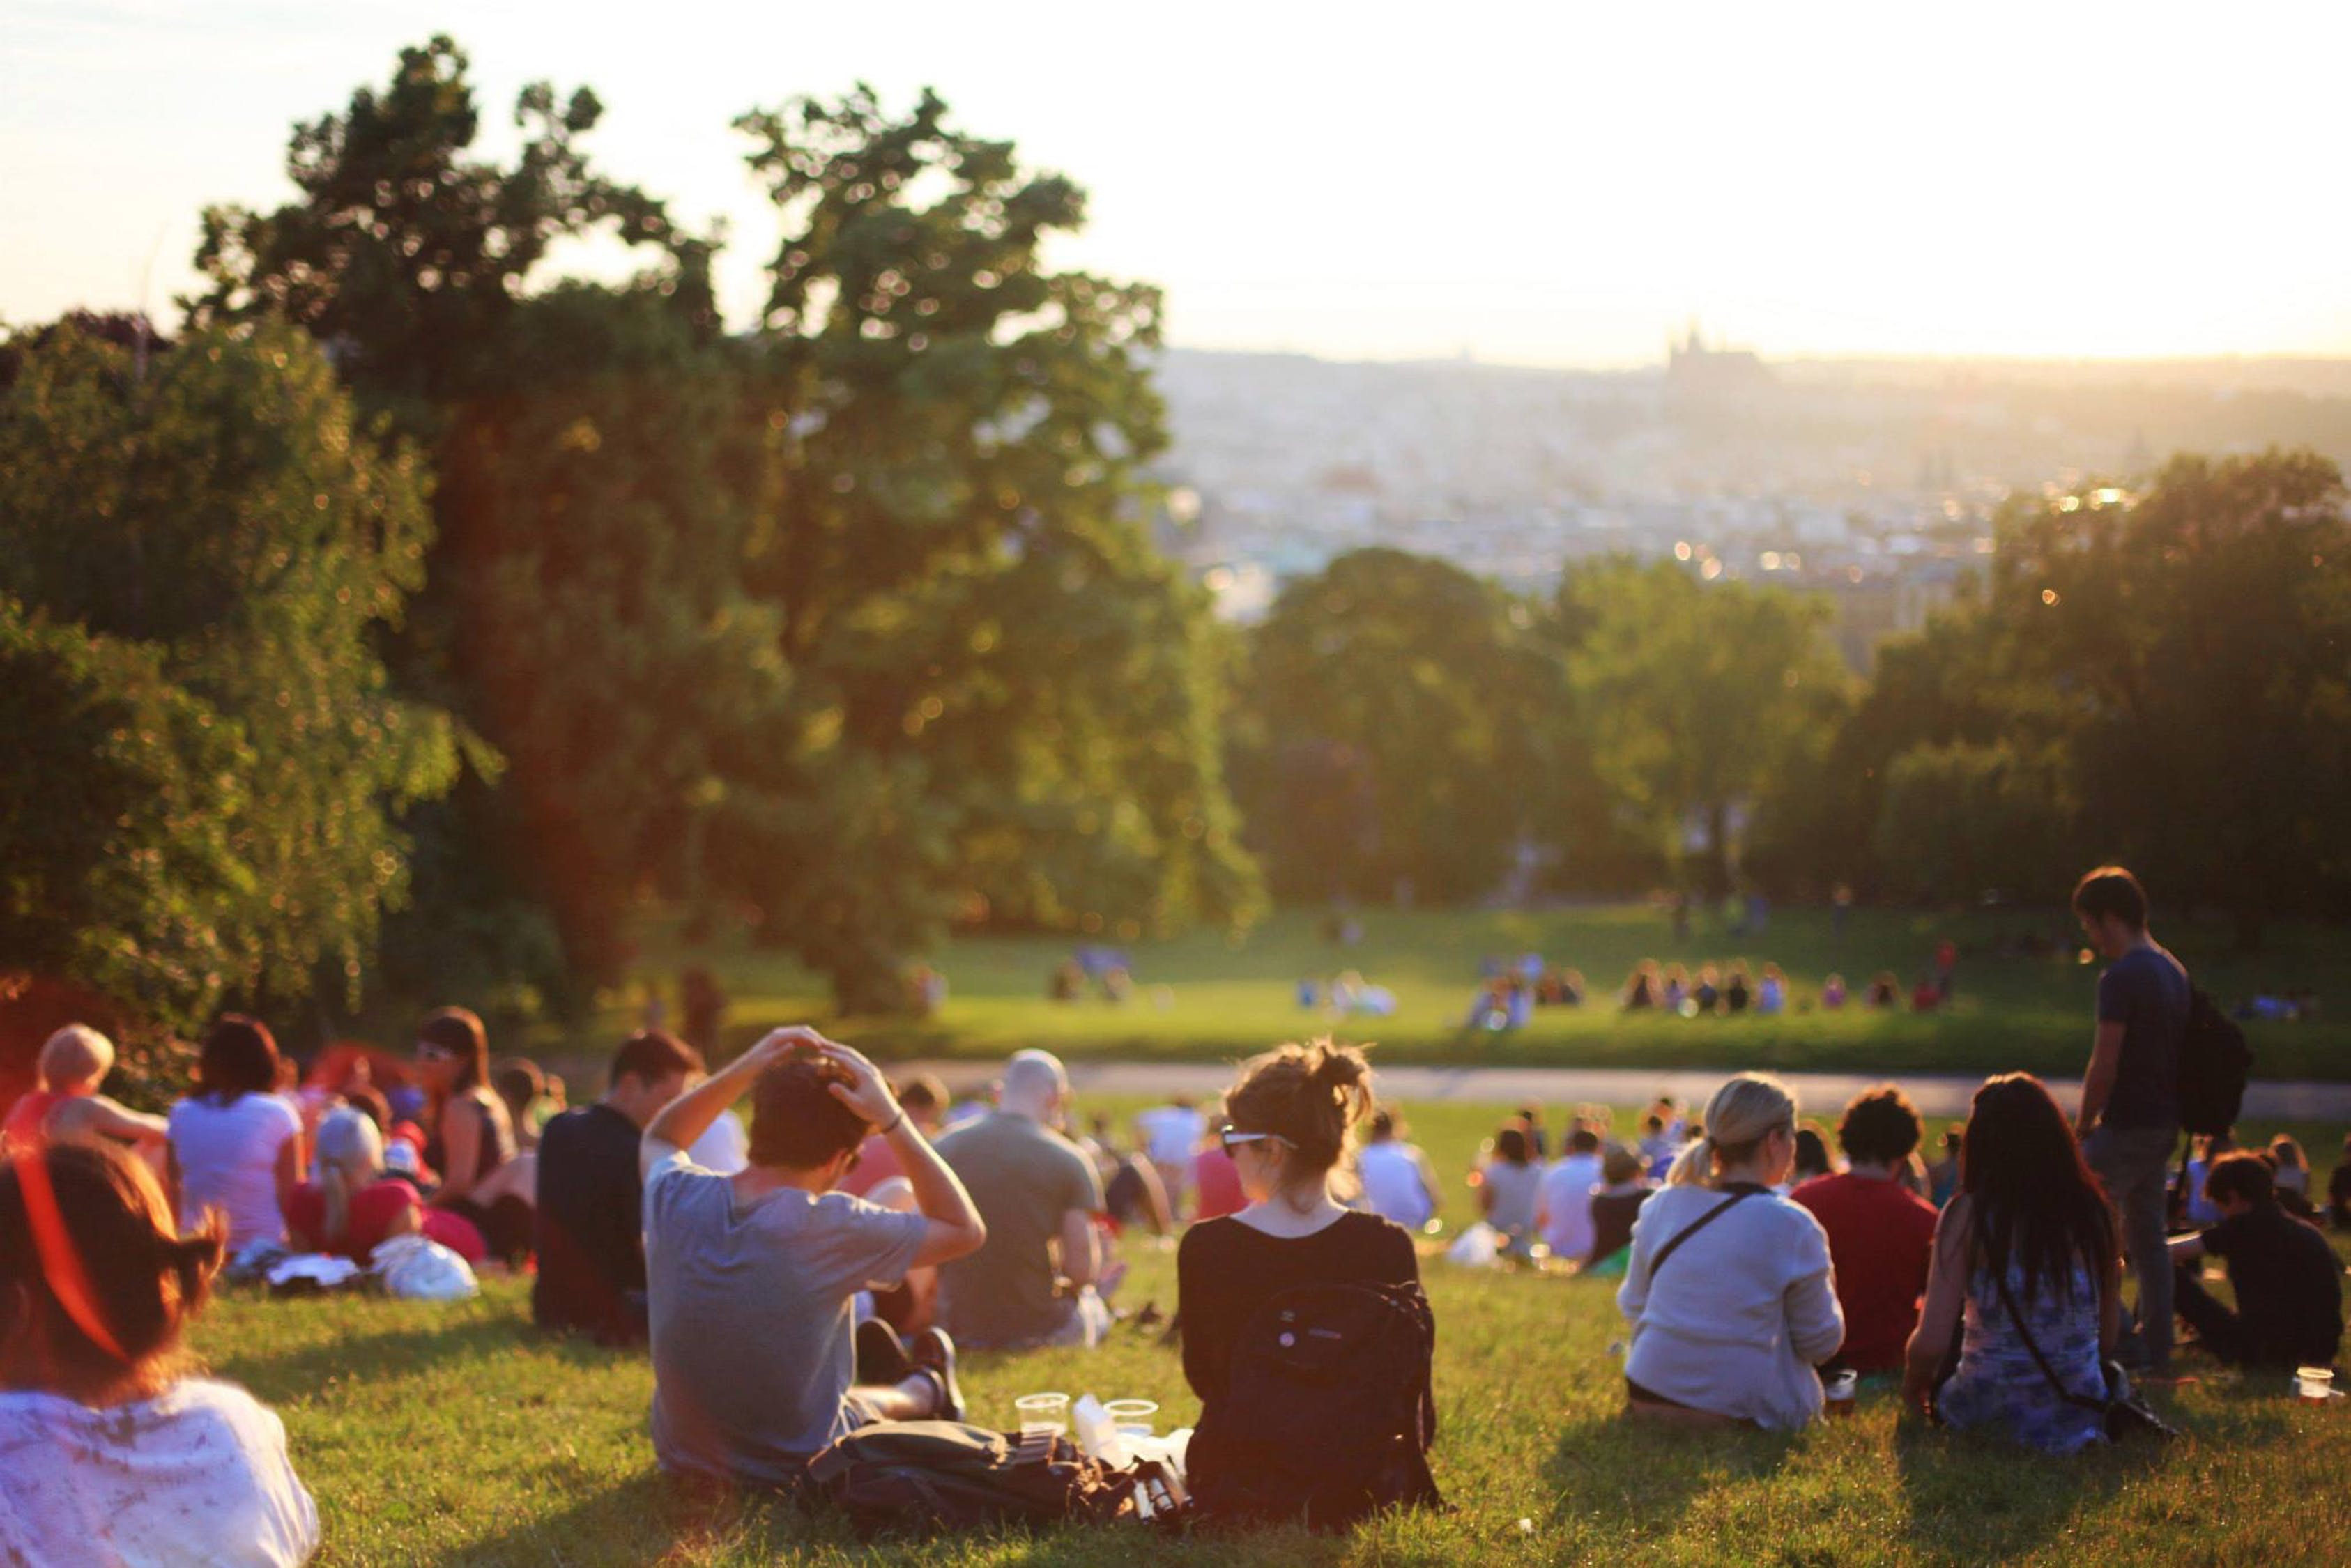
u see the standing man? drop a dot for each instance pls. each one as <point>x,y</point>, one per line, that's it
<point>2129,1121</point>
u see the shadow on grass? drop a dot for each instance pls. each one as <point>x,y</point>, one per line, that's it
<point>1611,1467</point>
<point>1979,1498</point>
<point>289,1374</point>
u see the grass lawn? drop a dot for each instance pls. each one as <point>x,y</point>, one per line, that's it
<point>1204,998</point>
<point>453,1435</point>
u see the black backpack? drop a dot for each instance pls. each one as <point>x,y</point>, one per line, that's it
<point>2214,1063</point>
<point>944,1475</point>
<point>1328,1411</point>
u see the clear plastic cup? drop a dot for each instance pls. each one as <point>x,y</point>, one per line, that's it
<point>1043,1413</point>
<point>2314,1384</point>
<point>1840,1388</point>
<point>1133,1417</point>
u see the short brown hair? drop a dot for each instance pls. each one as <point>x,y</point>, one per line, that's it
<point>239,1057</point>
<point>145,1280</point>
<point>1881,1126</point>
<point>650,1055</point>
<point>2111,891</point>
<point>2245,1175</point>
<point>795,1123</point>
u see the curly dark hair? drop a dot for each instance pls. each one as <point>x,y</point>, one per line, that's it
<point>1881,1126</point>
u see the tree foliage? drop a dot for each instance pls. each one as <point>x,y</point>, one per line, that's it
<point>229,541</point>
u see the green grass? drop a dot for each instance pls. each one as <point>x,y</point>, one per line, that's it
<point>452,1434</point>
<point>1203,997</point>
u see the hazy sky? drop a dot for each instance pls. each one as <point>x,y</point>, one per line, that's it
<point>1560,182</point>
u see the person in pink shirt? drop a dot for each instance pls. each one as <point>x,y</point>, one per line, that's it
<point>924,1099</point>
<point>1217,1184</point>
<point>65,1105</point>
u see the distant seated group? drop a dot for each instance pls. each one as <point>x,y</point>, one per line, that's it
<point>1726,990</point>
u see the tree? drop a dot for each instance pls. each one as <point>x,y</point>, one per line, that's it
<point>1399,709</point>
<point>1961,821</point>
<point>229,517</point>
<point>2190,648</point>
<point>1001,692</point>
<point>1697,696</point>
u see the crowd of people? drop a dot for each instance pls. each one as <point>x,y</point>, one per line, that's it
<point>819,1272</point>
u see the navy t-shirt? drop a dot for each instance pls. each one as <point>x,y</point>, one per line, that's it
<point>2146,991</point>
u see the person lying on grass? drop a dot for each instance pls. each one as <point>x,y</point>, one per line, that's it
<point>2028,1258</point>
<point>1730,1320</point>
<point>110,1452</point>
<point>750,1277</point>
<point>65,1105</point>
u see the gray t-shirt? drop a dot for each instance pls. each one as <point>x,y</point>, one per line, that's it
<point>1023,1179</point>
<point>752,1338</point>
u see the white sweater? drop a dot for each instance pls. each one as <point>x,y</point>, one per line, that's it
<point>1742,1314</point>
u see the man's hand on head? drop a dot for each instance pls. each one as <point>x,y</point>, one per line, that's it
<point>865,1091</point>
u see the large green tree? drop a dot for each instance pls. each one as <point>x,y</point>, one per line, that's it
<point>1395,716</point>
<point>1698,698</point>
<point>232,540</point>
<point>1003,694</point>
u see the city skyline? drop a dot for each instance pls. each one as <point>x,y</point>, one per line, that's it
<point>1517,183</point>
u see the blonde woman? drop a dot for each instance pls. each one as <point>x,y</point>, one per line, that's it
<point>1729,1292</point>
<point>352,1206</point>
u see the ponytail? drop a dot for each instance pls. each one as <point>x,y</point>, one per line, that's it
<point>1694,1167</point>
<point>350,1156</point>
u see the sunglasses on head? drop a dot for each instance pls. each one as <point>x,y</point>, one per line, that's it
<point>1232,1137</point>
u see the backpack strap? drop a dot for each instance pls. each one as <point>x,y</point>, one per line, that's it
<point>2081,1400</point>
<point>1703,1220</point>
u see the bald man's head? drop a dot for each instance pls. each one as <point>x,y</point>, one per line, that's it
<point>1034,1085</point>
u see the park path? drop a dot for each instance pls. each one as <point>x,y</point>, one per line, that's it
<point>1822,1095</point>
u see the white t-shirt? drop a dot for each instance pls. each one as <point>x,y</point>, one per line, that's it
<point>1171,1134</point>
<point>1393,1186</point>
<point>228,1160</point>
<point>725,1148</point>
<point>1566,1206</point>
<point>198,1474</point>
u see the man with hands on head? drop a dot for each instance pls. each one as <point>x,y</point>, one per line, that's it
<point>750,1277</point>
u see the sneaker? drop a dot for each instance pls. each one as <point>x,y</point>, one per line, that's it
<point>934,1353</point>
<point>881,1356</point>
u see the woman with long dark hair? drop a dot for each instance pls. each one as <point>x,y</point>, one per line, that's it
<point>2027,1257</point>
<point>469,1138</point>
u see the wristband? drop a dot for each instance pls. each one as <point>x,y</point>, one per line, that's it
<point>892,1127</point>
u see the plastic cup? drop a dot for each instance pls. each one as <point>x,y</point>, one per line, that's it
<point>2314,1384</point>
<point>1046,1415</point>
<point>1840,1388</point>
<point>1133,1418</point>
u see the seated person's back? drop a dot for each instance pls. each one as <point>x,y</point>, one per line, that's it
<point>352,1208</point>
<point>235,1144</point>
<point>1737,1314</point>
<point>107,1453</point>
<point>1038,1194</point>
<point>750,1277</point>
<point>1565,1199</point>
<point>1881,1234</point>
<point>589,1225</point>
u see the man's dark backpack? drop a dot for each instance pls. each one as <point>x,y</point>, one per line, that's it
<point>919,1476</point>
<point>2214,1063</point>
<point>1328,1413</point>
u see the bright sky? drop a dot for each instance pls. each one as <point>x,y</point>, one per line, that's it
<point>1560,182</point>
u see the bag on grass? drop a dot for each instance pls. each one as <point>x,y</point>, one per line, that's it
<point>944,1475</point>
<point>413,1269</point>
<point>1475,1247</point>
<point>1328,1411</point>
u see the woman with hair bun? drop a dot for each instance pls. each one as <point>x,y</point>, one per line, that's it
<point>109,1451</point>
<point>1729,1289</point>
<point>1287,1123</point>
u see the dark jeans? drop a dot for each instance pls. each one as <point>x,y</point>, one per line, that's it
<point>2134,1164</point>
<point>2223,1332</point>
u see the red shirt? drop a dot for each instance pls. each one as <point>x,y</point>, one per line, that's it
<point>1881,1235</point>
<point>373,1211</point>
<point>1216,1183</point>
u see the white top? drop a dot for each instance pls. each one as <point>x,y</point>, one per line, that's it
<point>725,1148</point>
<point>1740,1315</point>
<point>1566,1206</point>
<point>228,1160</point>
<point>198,1474</point>
<point>1171,1134</point>
<point>1393,1186</point>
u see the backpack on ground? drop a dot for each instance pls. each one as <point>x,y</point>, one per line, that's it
<point>1328,1413</point>
<point>926,1476</point>
<point>2214,1063</point>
